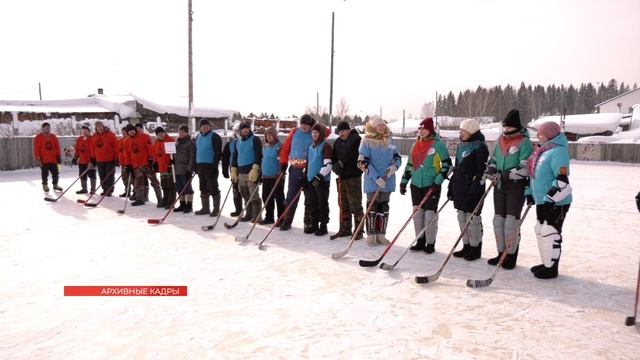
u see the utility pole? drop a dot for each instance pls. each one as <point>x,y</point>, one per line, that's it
<point>40,91</point>
<point>318,106</point>
<point>402,122</point>
<point>333,14</point>
<point>190,21</point>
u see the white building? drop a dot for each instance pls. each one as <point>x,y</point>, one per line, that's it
<point>620,104</point>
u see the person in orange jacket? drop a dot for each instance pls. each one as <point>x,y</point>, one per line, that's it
<point>163,162</point>
<point>140,152</point>
<point>46,150</point>
<point>125,164</point>
<point>82,158</point>
<point>103,156</point>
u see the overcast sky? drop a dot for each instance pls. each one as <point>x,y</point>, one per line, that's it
<point>273,56</point>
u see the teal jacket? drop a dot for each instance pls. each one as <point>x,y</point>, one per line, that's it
<point>434,167</point>
<point>545,186</point>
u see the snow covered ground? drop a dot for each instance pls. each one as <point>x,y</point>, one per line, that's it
<point>293,301</point>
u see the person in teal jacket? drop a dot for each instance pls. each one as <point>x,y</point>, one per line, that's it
<point>379,160</point>
<point>508,170</point>
<point>550,191</point>
<point>426,168</point>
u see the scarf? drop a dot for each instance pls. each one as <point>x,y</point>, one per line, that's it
<point>533,160</point>
<point>507,141</point>
<point>420,150</point>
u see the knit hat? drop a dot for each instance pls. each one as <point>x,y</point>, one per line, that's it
<point>129,127</point>
<point>342,125</point>
<point>376,120</point>
<point>549,129</point>
<point>427,124</point>
<point>204,121</point>
<point>245,125</point>
<point>159,130</point>
<point>470,125</point>
<point>45,124</point>
<point>321,129</point>
<point>84,126</point>
<point>512,119</point>
<point>306,119</point>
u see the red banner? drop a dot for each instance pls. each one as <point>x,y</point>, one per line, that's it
<point>125,290</point>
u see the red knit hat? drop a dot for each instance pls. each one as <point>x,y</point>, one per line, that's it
<point>549,129</point>
<point>427,124</point>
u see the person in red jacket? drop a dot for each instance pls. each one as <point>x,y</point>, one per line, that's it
<point>103,156</point>
<point>163,162</point>
<point>125,164</point>
<point>140,153</point>
<point>82,158</point>
<point>46,150</point>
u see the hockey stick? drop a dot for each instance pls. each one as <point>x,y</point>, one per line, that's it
<point>253,193</point>
<point>631,320</point>
<point>126,192</point>
<point>370,263</point>
<point>487,282</point>
<point>388,267</point>
<point>46,198</point>
<point>88,204</point>
<point>264,204</point>
<point>160,221</point>
<point>211,227</point>
<point>82,201</point>
<point>284,213</point>
<point>423,279</point>
<point>340,254</point>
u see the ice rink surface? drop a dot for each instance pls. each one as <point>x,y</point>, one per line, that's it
<point>293,300</point>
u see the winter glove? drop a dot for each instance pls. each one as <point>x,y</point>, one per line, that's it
<point>284,167</point>
<point>234,175</point>
<point>254,173</point>
<point>93,161</point>
<point>391,170</point>
<point>59,160</point>
<point>128,169</point>
<point>154,168</point>
<point>491,175</point>
<point>337,168</point>
<point>638,201</point>
<point>172,161</point>
<point>403,189</point>
<point>381,182</point>
<point>150,161</point>
<point>530,200</point>
<point>316,181</point>
<point>74,161</point>
<point>363,166</point>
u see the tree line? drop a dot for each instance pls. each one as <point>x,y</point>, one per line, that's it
<point>533,101</point>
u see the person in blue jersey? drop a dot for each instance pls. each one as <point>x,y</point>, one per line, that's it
<point>293,157</point>
<point>379,160</point>
<point>318,179</point>
<point>270,172</point>
<point>245,170</point>
<point>550,191</point>
<point>208,153</point>
<point>228,149</point>
<point>467,186</point>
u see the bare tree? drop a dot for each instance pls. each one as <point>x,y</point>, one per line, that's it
<point>427,110</point>
<point>315,111</point>
<point>342,109</point>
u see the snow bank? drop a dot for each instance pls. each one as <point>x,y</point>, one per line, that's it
<point>624,137</point>
<point>584,124</point>
<point>124,106</point>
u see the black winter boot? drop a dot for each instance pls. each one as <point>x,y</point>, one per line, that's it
<point>547,272</point>
<point>205,206</point>
<point>536,268</point>
<point>310,228</point>
<point>463,252</point>
<point>137,203</point>
<point>510,260</point>
<point>322,230</point>
<point>267,220</point>
<point>82,191</point>
<point>430,248</point>
<point>494,261</point>
<point>420,244</point>
<point>181,207</point>
<point>188,207</point>
<point>216,205</point>
<point>474,253</point>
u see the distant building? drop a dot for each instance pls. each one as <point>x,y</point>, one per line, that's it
<point>622,103</point>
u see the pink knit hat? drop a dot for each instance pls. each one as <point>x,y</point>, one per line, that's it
<point>549,129</point>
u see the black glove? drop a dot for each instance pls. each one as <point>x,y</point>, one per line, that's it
<point>638,201</point>
<point>284,167</point>
<point>74,161</point>
<point>93,161</point>
<point>403,189</point>
<point>316,181</point>
<point>150,161</point>
<point>172,161</point>
<point>225,172</point>
<point>304,183</point>
<point>59,160</point>
<point>128,169</point>
<point>530,200</point>
<point>154,167</point>
<point>492,170</point>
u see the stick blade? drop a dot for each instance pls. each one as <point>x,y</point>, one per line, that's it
<point>154,221</point>
<point>92,205</point>
<point>479,283</point>
<point>81,201</point>
<point>385,266</point>
<point>227,226</point>
<point>120,212</point>
<point>262,247</point>
<point>50,199</point>
<point>206,227</point>
<point>369,263</point>
<point>339,255</point>
<point>427,279</point>
<point>630,321</point>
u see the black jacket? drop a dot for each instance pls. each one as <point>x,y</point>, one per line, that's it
<point>226,157</point>
<point>185,157</point>
<point>466,185</point>
<point>345,156</point>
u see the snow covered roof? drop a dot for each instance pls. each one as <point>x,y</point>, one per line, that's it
<point>616,97</point>
<point>584,124</point>
<point>123,105</point>
<point>179,106</point>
